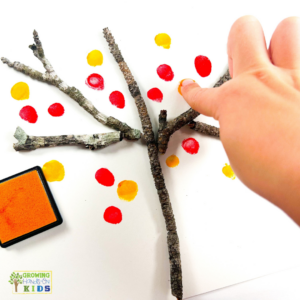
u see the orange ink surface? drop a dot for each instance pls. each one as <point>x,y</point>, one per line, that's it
<point>24,206</point>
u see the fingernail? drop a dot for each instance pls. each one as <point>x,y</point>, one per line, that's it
<point>187,81</point>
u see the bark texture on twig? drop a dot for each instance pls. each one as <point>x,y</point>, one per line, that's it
<point>90,141</point>
<point>205,128</point>
<point>172,237</point>
<point>162,120</point>
<point>172,126</point>
<point>185,118</point>
<point>52,78</point>
<point>223,79</point>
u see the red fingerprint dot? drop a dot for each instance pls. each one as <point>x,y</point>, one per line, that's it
<point>105,177</point>
<point>165,72</point>
<point>190,145</point>
<point>95,82</point>
<point>203,65</point>
<point>155,94</point>
<point>117,99</point>
<point>56,110</point>
<point>28,113</point>
<point>113,215</point>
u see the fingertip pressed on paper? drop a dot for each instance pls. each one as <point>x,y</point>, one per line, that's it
<point>184,82</point>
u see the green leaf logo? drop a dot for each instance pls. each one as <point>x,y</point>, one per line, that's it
<point>16,280</point>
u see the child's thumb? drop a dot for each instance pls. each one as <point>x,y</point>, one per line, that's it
<point>203,100</point>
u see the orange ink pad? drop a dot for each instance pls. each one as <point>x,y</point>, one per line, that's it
<point>27,207</point>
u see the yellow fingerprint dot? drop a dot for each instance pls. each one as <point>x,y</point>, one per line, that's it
<point>20,91</point>
<point>227,171</point>
<point>172,161</point>
<point>95,58</point>
<point>127,190</point>
<point>163,40</point>
<point>180,84</point>
<point>53,171</point>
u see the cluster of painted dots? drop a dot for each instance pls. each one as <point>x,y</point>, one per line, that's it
<point>96,82</point>
<point>203,67</point>
<point>53,170</point>
<point>20,91</point>
<point>126,190</point>
<point>165,72</point>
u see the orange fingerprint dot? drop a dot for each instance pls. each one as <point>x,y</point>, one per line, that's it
<point>20,91</point>
<point>163,40</point>
<point>53,171</point>
<point>95,58</point>
<point>172,161</point>
<point>180,85</point>
<point>228,172</point>
<point>127,190</point>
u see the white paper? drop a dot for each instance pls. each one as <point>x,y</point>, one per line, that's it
<point>227,233</point>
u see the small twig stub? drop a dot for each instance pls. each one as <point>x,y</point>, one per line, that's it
<point>205,128</point>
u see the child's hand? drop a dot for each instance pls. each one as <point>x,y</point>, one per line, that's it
<point>259,110</point>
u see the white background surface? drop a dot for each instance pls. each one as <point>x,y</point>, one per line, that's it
<point>277,286</point>
<point>227,233</point>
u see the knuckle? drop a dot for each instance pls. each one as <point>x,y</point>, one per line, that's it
<point>229,89</point>
<point>227,97</point>
<point>263,74</point>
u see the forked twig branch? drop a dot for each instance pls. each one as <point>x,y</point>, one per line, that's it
<point>52,78</point>
<point>184,119</point>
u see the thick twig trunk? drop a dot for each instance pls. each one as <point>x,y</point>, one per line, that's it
<point>172,238</point>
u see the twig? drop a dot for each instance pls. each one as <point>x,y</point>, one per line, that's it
<point>223,79</point>
<point>185,118</point>
<point>172,237</point>
<point>197,126</point>
<point>204,128</point>
<point>162,120</point>
<point>172,126</point>
<point>90,141</point>
<point>52,78</point>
